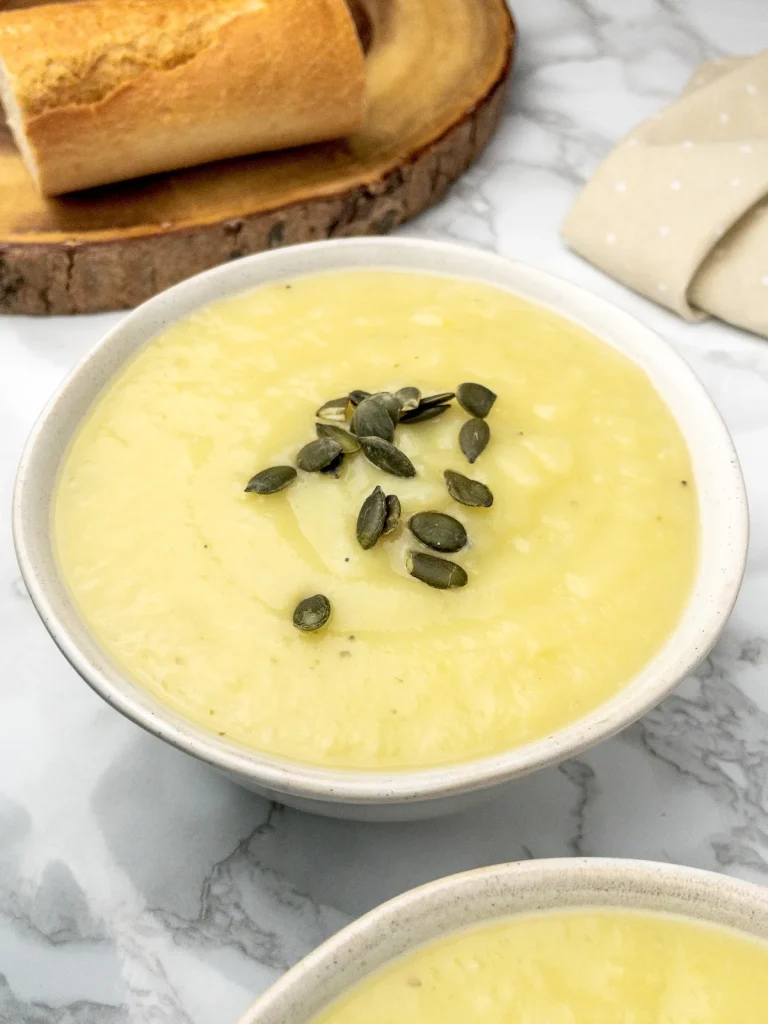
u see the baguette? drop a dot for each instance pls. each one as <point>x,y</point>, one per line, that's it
<point>105,90</point>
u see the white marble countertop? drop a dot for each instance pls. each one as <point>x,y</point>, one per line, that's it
<point>138,886</point>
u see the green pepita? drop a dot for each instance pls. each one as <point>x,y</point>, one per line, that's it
<point>385,456</point>
<point>312,613</point>
<point>356,397</point>
<point>318,454</point>
<point>436,572</point>
<point>371,419</point>
<point>476,399</point>
<point>371,519</point>
<point>474,437</point>
<point>438,531</point>
<point>421,415</point>
<point>466,491</point>
<point>394,510</point>
<point>349,443</point>
<point>409,399</point>
<point>271,480</point>
<point>391,403</point>
<point>334,468</point>
<point>334,411</point>
<point>442,399</point>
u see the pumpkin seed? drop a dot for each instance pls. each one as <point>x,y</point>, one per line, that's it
<point>393,514</point>
<point>392,404</point>
<point>421,415</point>
<point>475,399</point>
<point>271,480</point>
<point>312,613</point>
<point>318,454</point>
<point>334,411</point>
<point>385,456</point>
<point>466,491</point>
<point>474,437</point>
<point>334,468</point>
<point>371,520</point>
<point>409,398</point>
<point>349,443</point>
<point>356,397</point>
<point>442,399</point>
<point>438,531</point>
<point>371,419</point>
<point>435,572</point>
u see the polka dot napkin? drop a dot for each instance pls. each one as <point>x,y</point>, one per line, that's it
<point>679,210</point>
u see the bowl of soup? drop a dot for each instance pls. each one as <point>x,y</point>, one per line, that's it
<point>555,941</point>
<point>378,525</point>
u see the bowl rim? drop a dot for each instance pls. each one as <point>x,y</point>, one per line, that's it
<point>367,787</point>
<point>480,896</point>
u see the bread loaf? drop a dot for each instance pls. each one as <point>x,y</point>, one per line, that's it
<point>105,90</point>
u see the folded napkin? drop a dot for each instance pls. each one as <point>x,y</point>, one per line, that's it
<point>679,210</point>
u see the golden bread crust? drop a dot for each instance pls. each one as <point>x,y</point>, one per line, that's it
<point>116,89</point>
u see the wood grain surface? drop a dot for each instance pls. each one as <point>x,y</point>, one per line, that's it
<point>436,71</point>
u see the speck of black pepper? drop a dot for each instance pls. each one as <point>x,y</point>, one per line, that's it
<point>684,483</point>
<point>222,734</point>
<point>346,559</point>
<point>289,286</point>
<point>205,546</point>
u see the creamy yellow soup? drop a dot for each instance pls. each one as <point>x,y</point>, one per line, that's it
<point>578,573</point>
<point>571,967</point>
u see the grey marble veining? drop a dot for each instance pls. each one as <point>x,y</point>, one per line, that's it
<point>138,887</point>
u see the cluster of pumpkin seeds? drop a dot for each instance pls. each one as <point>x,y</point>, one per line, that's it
<point>365,422</point>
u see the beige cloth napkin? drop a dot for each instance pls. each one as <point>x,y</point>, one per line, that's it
<point>679,210</point>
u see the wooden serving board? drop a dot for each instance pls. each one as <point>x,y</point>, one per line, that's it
<point>436,71</point>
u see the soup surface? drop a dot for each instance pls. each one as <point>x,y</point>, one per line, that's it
<point>571,967</point>
<point>578,573</point>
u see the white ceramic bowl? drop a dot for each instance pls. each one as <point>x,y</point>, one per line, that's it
<point>396,794</point>
<point>490,894</point>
